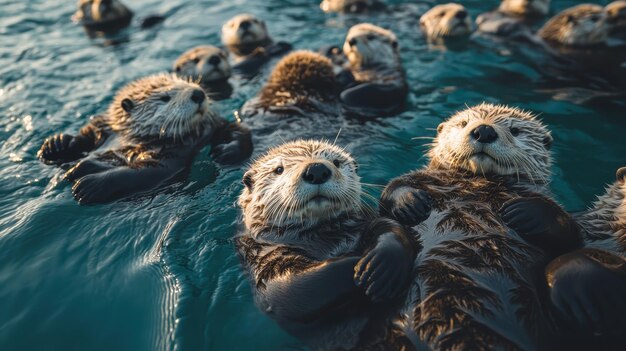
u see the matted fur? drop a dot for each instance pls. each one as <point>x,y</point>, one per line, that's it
<point>150,117</point>
<point>581,25</point>
<point>441,22</point>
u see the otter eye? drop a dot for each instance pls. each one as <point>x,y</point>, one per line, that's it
<point>441,14</point>
<point>279,170</point>
<point>394,44</point>
<point>337,163</point>
<point>371,37</point>
<point>165,98</point>
<point>196,60</point>
<point>463,124</point>
<point>515,131</point>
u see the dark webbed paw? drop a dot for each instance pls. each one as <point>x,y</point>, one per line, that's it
<point>85,167</point>
<point>408,206</point>
<point>385,271</point>
<point>589,295</point>
<point>91,189</point>
<point>235,151</point>
<point>57,149</point>
<point>542,223</point>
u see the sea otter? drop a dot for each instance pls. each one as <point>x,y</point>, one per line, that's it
<point>379,86</point>
<point>248,39</point>
<point>108,16</point>
<point>579,26</point>
<point>483,212</point>
<point>208,65</point>
<point>512,17</point>
<point>446,21</point>
<point>302,83</point>
<point>153,129</point>
<point>351,6</point>
<point>320,263</point>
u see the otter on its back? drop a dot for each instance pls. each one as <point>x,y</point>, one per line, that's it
<point>446,21</point>
<point>103,15</point>
<point>149,136</point>
<point>582,25</point>
<point>309,246</point>
<point>209,64</point>
<point>351,6</point>
<point>475,282</point>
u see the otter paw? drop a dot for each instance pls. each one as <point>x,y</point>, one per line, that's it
<point>84,168</point>
<point>89,190</point>
<point>410,206</point>
<point>384,271</point>
<point>56,149</point>
<point>235,151</point>
<point>588,296</point>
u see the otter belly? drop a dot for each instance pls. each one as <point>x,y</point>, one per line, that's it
<point>475,284</point>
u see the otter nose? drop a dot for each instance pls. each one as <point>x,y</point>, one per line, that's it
<point>245,25</point>
<point>485,134</point>
<point>461,15</point>
<point>352,42</point>
<point>214,60</point>
<point>316,173</point>
<point>197,96</point>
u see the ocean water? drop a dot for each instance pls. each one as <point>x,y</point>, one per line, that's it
<point>159,272</point>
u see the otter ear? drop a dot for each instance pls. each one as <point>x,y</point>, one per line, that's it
<point>621,175</point>
<point>570,19</point>
<point>547,141</point>
<point>440,128</point>
<point>127,105</point>
<point>247,180</point>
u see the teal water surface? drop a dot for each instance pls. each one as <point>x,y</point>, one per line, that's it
<point>159,272</point>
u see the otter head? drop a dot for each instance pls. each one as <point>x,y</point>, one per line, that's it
<point>161,106</point>
<point>245,30</point>
<point>302,73</point>
<point>616,13</point>
<point>445,21</point>
<point>494,140</point>
<point>581,25</point>
<point>207,63</point>
<point>100,10</point>
<point>525,7</point>
<point>300,183</point>
<point>368,45</point>
<point>347,6</point>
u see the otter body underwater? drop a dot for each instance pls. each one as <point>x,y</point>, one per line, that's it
<point>320,262</point>
<point>148,138</point>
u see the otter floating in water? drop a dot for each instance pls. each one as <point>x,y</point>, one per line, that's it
<point>351,6</point>
<point>209,65</point>
<point>149,137</point>
<point>108,16</point>
<point>512,17</point>
<point>484,215</point>
<point>248,39</point>
<point>320,263</point>
<point>446,21</point>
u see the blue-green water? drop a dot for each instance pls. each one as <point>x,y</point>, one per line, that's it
<point>159,272</point>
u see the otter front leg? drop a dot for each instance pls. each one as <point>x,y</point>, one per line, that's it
<point>122,182</point>
<point>407,205</point>
<point>385,271</point>
<point>86,167</point>
<point>588,290</point>
<point>382,97</point>
<point>542,223</point>
<point>63,148</point>
<point>232,144</point>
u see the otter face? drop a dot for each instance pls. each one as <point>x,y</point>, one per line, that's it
<point>100,10</point>
<point>207,63</point>
<point>616,13</point>
<point>300,182</point>
<point>162,106</point>
<point>244,29</point>
<point>444,21</point>
<point>525,7</point>
<point>346,6</point>
<point>581,25</point>
<point>367,45</point>
<point>494,140</point>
